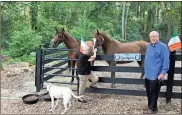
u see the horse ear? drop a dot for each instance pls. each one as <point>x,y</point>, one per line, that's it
<point>97,32</point>
<point>62,29</point>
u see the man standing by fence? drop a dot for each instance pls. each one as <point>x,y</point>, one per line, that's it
<point>156,66</point>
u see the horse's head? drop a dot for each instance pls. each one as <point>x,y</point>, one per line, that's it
<point>98,39</point>
<point>58,38</point>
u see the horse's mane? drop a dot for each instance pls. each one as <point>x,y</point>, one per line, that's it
<point>77,40</point>
<point>105,36</point>
<point>70,36</point>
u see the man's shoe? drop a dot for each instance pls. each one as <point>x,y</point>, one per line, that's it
<point>149,111</point>
<point>145,108</point>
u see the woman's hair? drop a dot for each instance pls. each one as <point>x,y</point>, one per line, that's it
<point>90,46</point>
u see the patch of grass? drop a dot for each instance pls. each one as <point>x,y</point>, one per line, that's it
<point>25,58</point>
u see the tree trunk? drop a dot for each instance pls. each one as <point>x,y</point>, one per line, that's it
<point>54,16</point>
<point>144,25</point>
<point>127,12</point>
<point>148,28</point>
<point>137,10</point>
<point>73,17</point>
<point>169,28</point>
<point>153,23</point>
<point>169,25</point>
<point>180,23</point>
<point>1,18</point>
<point>157,14</point>
<point>84,22</point>
<point>123,20</point>
<point>26,15</point>
<point>34,14</point>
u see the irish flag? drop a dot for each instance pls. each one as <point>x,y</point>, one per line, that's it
<point>83,44</point>
<point>174,43</point>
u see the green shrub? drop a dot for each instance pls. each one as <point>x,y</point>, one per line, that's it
<point>23,42</point>
<point>132,32</point>
<point>46,29</point>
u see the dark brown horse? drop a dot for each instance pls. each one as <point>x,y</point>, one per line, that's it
<point>110,46</point>
<point>71,43</point>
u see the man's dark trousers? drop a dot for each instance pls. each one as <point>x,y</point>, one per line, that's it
<point>152,89</point>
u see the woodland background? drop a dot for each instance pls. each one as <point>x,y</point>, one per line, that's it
<point>27,25</point>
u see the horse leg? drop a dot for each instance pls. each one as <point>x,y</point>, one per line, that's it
<point>112,74</point>
<point>69,64</point>
<point>72,66</point>
<point>141,64</point>
<point>76,70</point>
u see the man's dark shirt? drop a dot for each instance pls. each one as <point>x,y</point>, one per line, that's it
<point>84,66</point>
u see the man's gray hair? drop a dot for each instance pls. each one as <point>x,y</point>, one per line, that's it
<point>157,33</point>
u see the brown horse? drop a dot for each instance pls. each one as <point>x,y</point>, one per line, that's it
<point>71,43</point>
<point>110,46</point>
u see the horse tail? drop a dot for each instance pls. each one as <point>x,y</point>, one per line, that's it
<point>143,46</point>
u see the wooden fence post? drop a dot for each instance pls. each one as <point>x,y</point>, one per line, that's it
<point>170,77</point>
<point>38,70</point>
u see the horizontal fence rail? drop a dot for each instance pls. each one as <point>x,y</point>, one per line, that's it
<point>56,65</point>
<point>60,68</point>
<point>63,83</point>
<point>62,75</point>
<point>51,76</point>
<point>110,57</point>
<point>50,59</point>
<point>125,69</point>
<point>132,81</point>
<point>127,92</point>
<point>49,50</point>
<point>58,58</point>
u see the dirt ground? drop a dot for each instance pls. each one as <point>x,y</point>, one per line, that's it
<point>18,80</point>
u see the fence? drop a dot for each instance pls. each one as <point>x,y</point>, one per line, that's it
<point>41,70</point>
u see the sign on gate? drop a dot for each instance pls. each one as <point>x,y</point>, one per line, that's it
<point>127,57</point>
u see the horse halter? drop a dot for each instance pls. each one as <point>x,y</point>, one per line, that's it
<point>61,38</point>
<point>101,40</point>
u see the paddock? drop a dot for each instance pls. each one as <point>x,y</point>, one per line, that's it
<point>13,88</point>
<point>45,56</point>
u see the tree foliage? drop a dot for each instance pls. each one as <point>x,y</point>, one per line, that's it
<point>26,25</point>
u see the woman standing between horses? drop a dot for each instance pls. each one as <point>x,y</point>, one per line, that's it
<point>86,77</point>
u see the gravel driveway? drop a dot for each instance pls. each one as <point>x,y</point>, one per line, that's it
<point>21,83</point>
